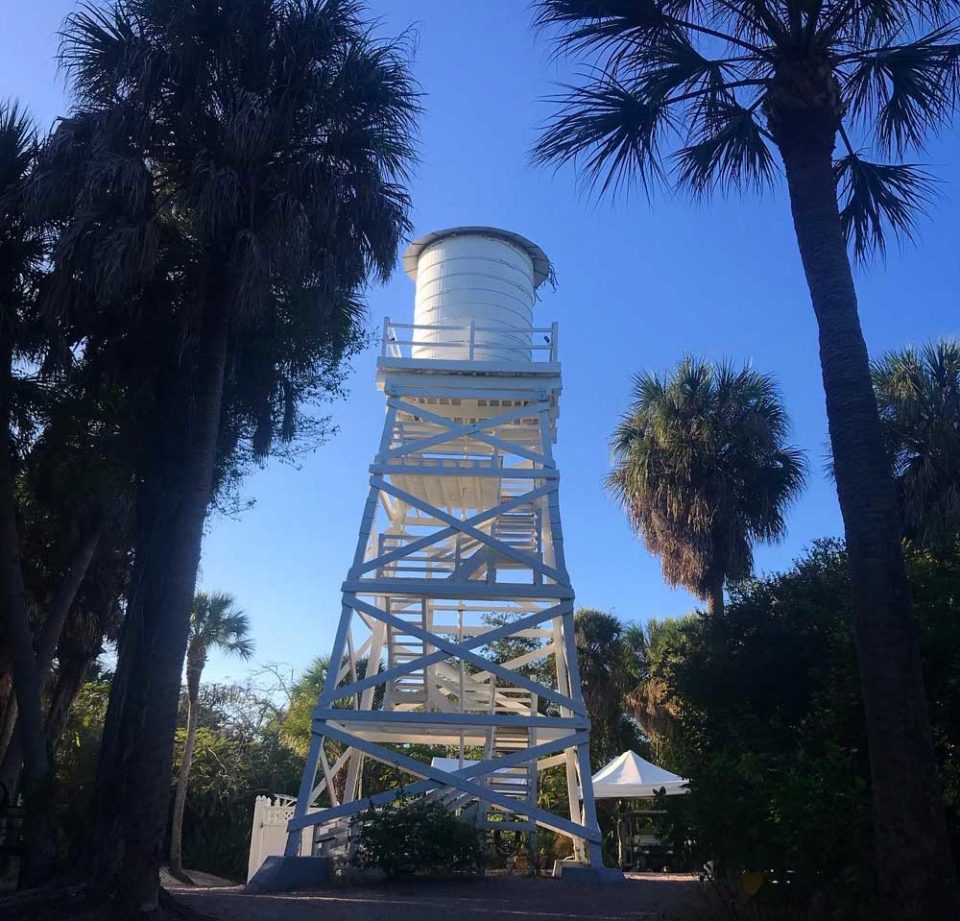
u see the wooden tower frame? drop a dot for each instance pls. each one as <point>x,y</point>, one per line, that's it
<point>460,546</point>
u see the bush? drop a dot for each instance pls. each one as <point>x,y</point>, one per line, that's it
<point>417,836</point>
<point>769,727</point>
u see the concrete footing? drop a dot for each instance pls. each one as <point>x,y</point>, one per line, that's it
<point>571,872</point>
<point>287,874</point>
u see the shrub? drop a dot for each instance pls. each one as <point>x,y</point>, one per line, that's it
<point>417,836</point>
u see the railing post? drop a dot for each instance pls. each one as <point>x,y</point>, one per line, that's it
<point>554,328</point>
<point>473,339</point>
<point>386,330</point>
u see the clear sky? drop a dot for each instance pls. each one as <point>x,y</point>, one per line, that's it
<point>639,286</point>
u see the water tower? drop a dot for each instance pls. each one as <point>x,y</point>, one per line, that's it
<point>457,622</point>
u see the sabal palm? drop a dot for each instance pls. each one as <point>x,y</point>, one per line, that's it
<point>609,661</point>
<point>702,467</point>
<point>215,623</point>
<point>918,392</point>
<point>22,253</point>
<point>231,178</point>
<point>700,96</point>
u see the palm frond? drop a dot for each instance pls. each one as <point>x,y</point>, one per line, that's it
<point>610,132</point>
<point>598,26</point>
<point>18,145</point>
<point>99,48</point>
<point>877,198</point>
<point>918,394</point>
<point>731,152</point>
<point>215,620</point>
<point>906,91</point>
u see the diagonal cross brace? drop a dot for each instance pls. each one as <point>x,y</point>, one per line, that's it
<point>423,786</point>
<point>444,533</point>
<point>458,651</point>
<point>482,639</point>
<point>525,558</point>
<point>456,781</point>
<point>475,429</point>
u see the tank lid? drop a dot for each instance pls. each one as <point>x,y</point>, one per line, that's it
<point>541,264</point>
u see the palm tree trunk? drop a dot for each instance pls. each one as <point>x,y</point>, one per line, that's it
<point>916,877</point>
<point>194,670</point>
<point>8,718</point>
<point>7,700</point>
<point>132,794</point>
<point>37,854</point>
<point>70,676</point>
<point>48,636</point>
<point>45,642</point>
<point>715,602</point>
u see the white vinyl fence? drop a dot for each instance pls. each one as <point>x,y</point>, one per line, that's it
<point>269,834</point>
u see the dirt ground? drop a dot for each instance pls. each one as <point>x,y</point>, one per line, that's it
<point>644,897</point>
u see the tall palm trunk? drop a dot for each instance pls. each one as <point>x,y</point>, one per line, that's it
<point>133,780</point>
<point>916,878</point>
<point>195,661</point>
<point>38,843</point>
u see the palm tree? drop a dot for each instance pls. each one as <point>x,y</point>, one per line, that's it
<point>215,623</point>
<point>702,468</point>
<point>230,178</point>
<point>919,397</point>
<point>22,254</point>
<point>723,84</point>
<point>609,662</point>
<point>649,701</point>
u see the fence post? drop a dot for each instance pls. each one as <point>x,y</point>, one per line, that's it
<point>473,338</point>
<point>386,332</point>
<point>554,328</point>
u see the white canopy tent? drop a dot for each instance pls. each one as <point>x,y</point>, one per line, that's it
<point>629,776</point>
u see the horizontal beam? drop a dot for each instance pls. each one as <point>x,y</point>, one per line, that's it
<point>321,715</point>
<point>500,473</point>
<point>441,588</point>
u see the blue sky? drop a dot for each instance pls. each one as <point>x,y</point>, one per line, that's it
<point>640,284</point>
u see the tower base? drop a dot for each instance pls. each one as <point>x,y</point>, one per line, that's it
<point>288,874</point>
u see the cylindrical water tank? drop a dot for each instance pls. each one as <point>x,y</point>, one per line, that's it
<point>475,292</point>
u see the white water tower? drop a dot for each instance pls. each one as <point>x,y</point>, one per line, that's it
<point>475,279</point>
<point>460,545</point>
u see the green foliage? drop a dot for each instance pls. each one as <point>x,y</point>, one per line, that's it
<point>295,732</point>
<point>703,469</point>
<point>216,621</point>
<point>238,756</point>
<point>769,728</point>
<point>75,764</point>
<point>918,393</point>
<point>226,775</point>
<point>610,657</point>
<point>417,835</point>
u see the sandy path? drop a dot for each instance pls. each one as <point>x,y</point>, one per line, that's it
<point>642,898</point>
